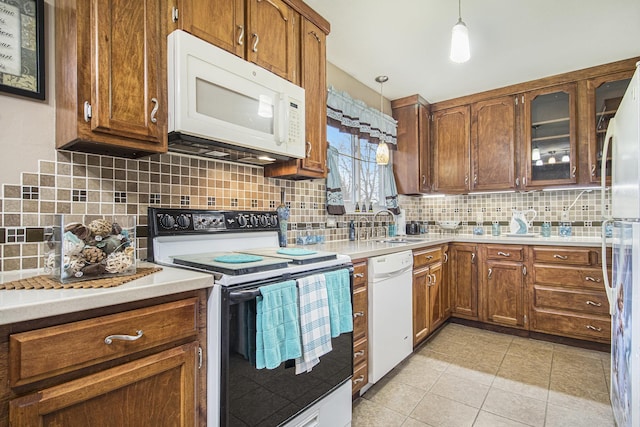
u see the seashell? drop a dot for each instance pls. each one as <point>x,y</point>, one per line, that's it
<point>110,244</point>
<point>93,254</point>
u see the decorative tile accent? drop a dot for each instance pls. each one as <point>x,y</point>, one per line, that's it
<point>254,203</point>
<point>234,203</point>
<point>120,197</point>
<point>79,196</point>
<point>30,192</point>
<point>185,200</point>
<point>211,201</point>
<point>15,235</point>
<point>154,199</point>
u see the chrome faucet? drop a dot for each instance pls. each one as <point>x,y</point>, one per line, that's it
<point>383,211</point>
<point>366,233</point>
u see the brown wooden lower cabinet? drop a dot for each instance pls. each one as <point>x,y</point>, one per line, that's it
<point>64,371</point>
<point>159,390</point>
<point>360,326</point>
<point>463,279</point>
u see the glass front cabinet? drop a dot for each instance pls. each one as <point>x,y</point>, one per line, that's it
<point>549,137</point>
<point>603,98</point>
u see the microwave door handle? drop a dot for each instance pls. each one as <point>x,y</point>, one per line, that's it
<point>283,120</point>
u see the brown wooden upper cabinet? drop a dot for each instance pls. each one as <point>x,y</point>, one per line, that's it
<point>493,144</point>
<point>412,160</point>
<point>603,98</point>
<point>111,77</point>
<point>549,137</point>
<point>451,157</point>
<point>265,32</point>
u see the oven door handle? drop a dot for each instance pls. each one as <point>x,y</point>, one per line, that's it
<point>240,296</point>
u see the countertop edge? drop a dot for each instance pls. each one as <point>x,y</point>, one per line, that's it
<point>23,305</point>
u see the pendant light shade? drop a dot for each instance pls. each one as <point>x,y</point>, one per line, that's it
<point>565,158</point>
<point>460,40</point>
<point>382,152</point>
<point>535,154</point>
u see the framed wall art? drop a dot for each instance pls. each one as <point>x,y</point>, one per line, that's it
<point>22,47</point>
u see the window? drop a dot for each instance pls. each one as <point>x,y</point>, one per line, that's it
<point>360,176</point>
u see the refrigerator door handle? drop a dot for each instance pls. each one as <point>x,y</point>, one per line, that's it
<point>603,197</point>
<point>605,274</point>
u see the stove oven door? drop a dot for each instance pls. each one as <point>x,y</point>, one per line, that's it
<point>269,397</point>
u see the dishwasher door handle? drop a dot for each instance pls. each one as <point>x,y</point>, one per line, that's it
<point>383,276</point>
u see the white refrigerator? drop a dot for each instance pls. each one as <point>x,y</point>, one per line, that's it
<point>624,290</point>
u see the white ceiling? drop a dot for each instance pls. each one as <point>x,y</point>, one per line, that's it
<point>512,41</point>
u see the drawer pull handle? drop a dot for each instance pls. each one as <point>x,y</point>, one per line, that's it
<point>593,328</point>
<point>358,275</point>
<point>504,254</point>
<point>358,314</point>
<point>595,304</point>
<point>591,279</point>
<point>560,256</point>
<point>428,257</point>
<point>359,379</point>
<point>358,353</point>
<point>110,338</point>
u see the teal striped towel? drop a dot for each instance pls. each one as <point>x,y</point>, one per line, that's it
<point>339,294</point>
<point>314,322</point>
<point>277,325</point>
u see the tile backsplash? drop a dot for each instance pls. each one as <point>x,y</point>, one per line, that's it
<point>84,184</point>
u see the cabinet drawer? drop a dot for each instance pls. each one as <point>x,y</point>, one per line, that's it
<point>590,302</point>
<point>359,314</point>
<point>590,278</point>
<point>360,353</point>
<point>426,256</point>
<point>360,378</point>
<point>594,328</point>
<point>509,253</point>
<point>44,353</point>
<point>575,256</point>
<point>359,275</point>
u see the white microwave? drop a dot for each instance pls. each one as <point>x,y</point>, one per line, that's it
<point>220,104</point>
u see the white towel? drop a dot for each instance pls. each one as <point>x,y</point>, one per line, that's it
<point>315,326</point>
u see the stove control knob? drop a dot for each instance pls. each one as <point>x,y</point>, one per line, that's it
<point>242,220</point>
<point>264,221</point>
<point>183,221</point>
<point>167,221</point>
<point>254,220</point>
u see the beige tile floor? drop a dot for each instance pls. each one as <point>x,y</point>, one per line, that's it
<point>471,377</point>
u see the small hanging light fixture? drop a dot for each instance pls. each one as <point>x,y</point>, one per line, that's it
<point>382,152</point>
<point>565,158</point>
<point>460,40</point>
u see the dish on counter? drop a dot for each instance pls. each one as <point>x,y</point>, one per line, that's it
<point>448,225</point>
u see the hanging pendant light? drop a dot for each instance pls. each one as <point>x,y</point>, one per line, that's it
<point>382,152</point>
<point>460,40</point>
<point>565,158</point>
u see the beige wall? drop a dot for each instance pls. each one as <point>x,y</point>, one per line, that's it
<point>342,81</point>
<point>28,125</point>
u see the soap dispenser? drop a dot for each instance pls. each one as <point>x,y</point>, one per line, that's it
<point>352,231</point>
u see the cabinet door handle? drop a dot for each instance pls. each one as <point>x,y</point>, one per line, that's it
<point>174,14</point>
<point>428,280</point>
<point>593,328</point>
<point>110,338</point>
<point>358,353</point>
<point>560,256</point>
<point>424,179</point>
<point>593,170</point>
<point>359,379</point>
<point>315,35</point>
<point>475,179</point>
<point>592,279</point>
<point>524,181</point>
<point>87,111</point>
<point>241,36</point>
<point>595,304</point>
<point>435,280</point>
<point>466,179</point>
<point>517,182</point>
<point>473,258</point>
<point>507,254</point>
<point>358,314</point>
<point>524,270</point>
<point>573,172</point>
<point>446,257</point>
<point>256,39</point>
<point>309,146</point>
<point>154,111</point>
<point>358,275</point>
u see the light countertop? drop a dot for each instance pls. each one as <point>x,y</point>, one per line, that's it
<point>22,305</point>
<point>374,247</point>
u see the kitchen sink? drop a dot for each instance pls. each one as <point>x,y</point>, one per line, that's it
<point>400,240</point>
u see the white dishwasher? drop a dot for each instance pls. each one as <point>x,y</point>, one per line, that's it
<point>390,312</point>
